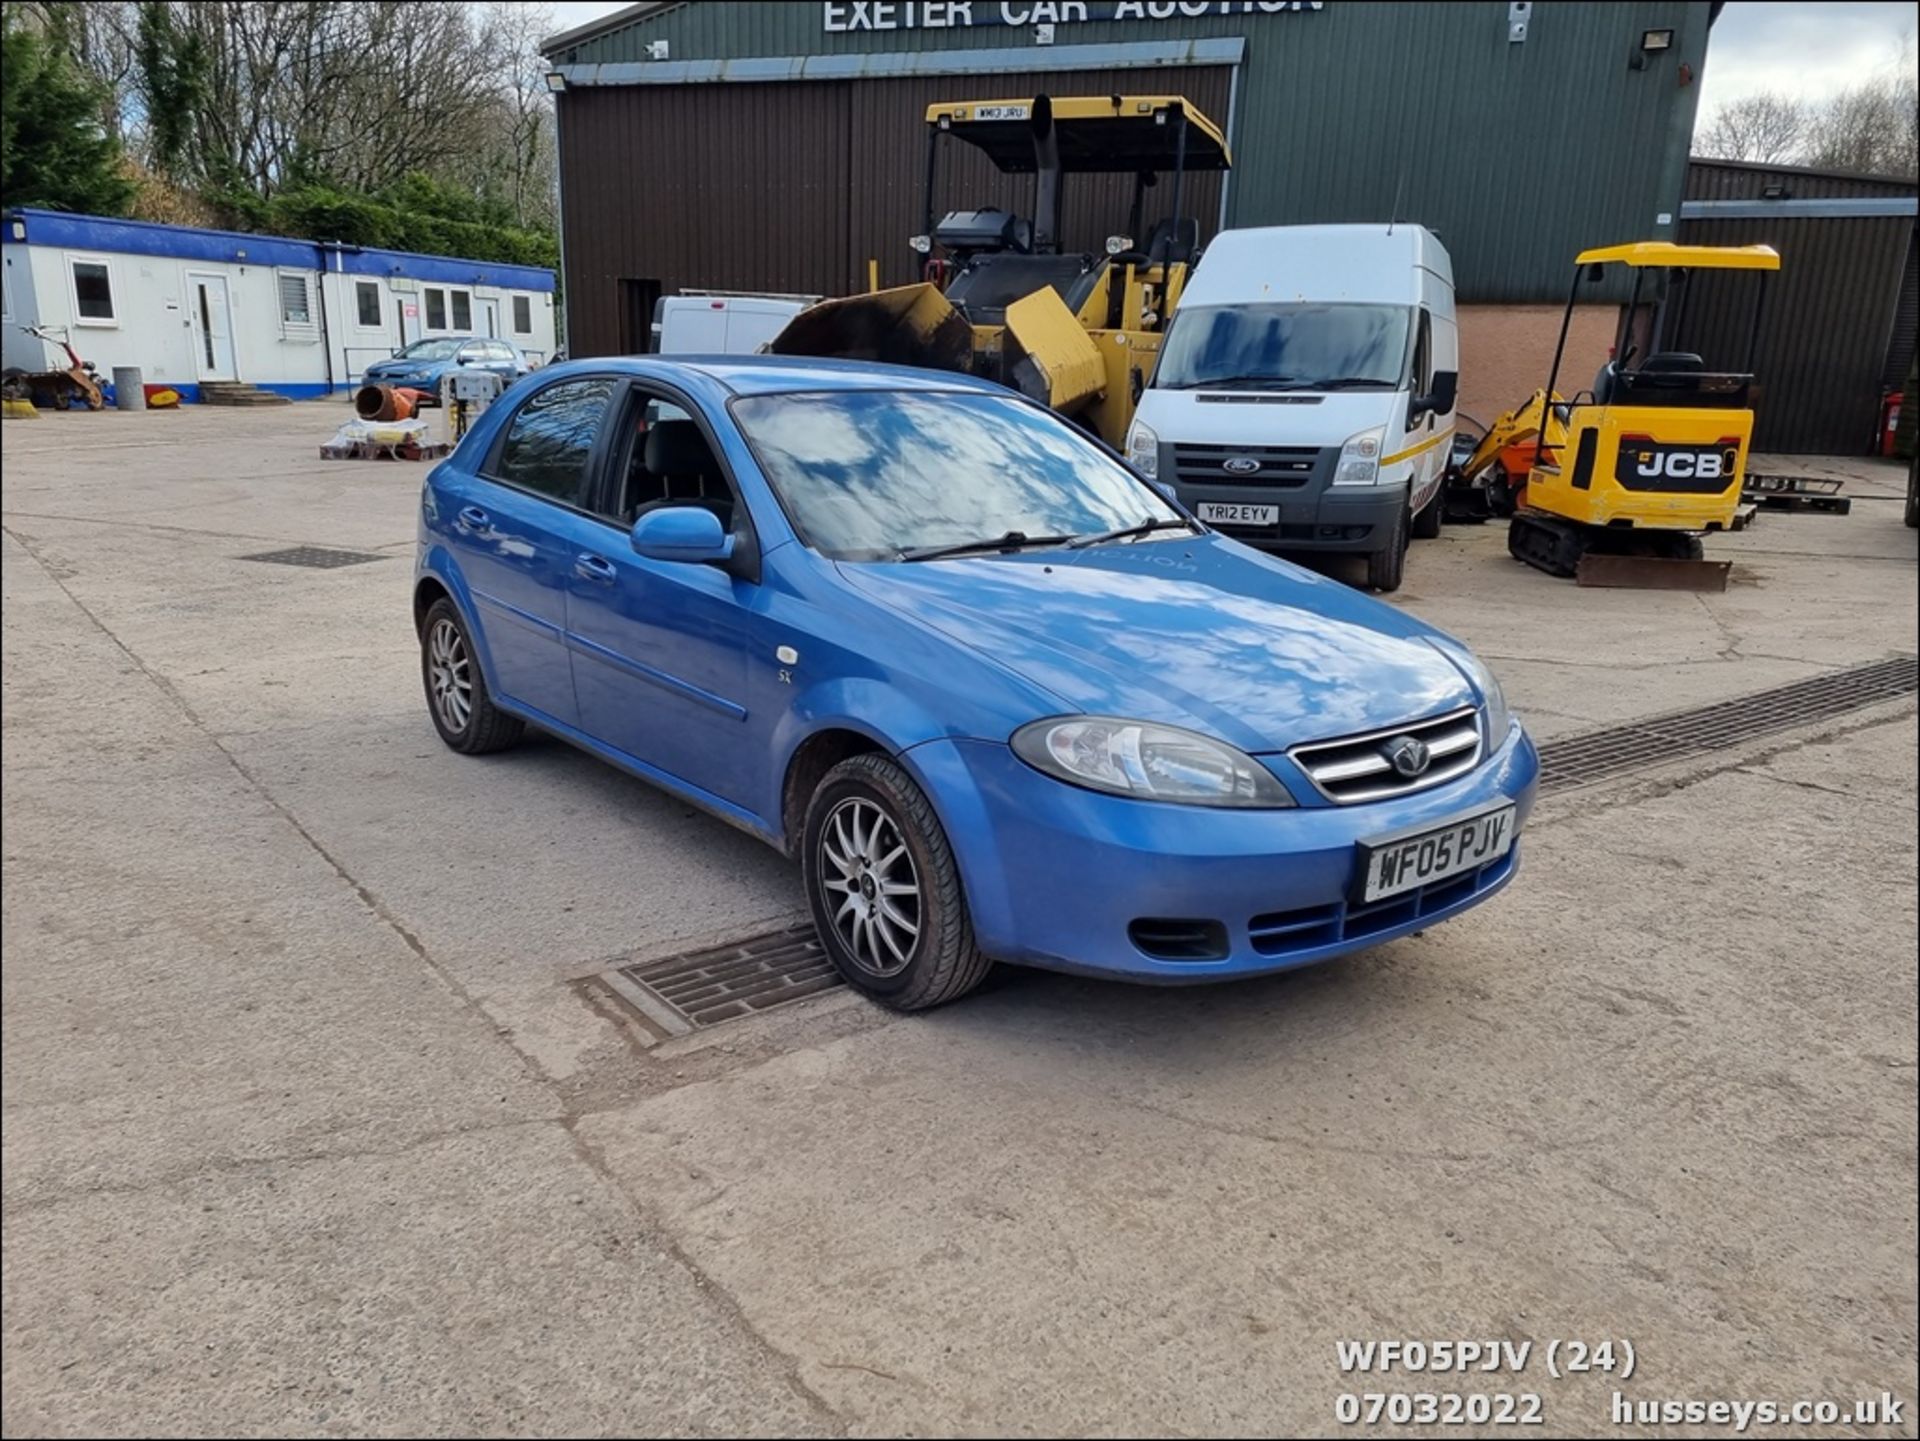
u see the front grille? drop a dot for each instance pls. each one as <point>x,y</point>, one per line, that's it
<point>1283,933</point>
<point>1282,467</point>
<point>1359,768</point>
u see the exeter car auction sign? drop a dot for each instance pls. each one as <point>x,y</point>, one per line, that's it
<point>844,15</point>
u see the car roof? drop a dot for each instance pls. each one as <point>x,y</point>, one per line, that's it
<point>773,374</point>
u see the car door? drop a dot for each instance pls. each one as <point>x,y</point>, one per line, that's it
<point>511,526</point>
<point>500,359</point>
<point>660,647</point>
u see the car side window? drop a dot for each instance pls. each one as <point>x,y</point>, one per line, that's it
<point>549,442</point>
<point>497,350</point>
<point>666,460</point>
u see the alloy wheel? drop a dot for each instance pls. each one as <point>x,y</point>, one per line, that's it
<point>870,885</point>
<point>450,675</point>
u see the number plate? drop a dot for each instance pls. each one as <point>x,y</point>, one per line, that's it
<point>1000,112</point>
<point>1225,513</point>
<point>1403,863</point>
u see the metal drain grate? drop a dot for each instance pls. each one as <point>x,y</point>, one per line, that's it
<point>703,988</point>
<point>315,557</point>
<point>1584,759</point>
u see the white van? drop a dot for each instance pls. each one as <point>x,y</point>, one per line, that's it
<point>1303,397</point>
<point>721,322</point>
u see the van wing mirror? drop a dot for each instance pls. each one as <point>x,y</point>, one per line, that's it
<point>1439,398</point>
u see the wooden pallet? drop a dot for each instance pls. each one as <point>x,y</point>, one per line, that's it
<point>383,450</point>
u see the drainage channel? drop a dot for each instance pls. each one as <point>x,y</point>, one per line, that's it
<point>680,994</point>
<point>314,557</point>
<point>696,989</point>
<point>1583,760</point>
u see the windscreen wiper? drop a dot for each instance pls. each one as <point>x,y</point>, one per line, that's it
<point>1234,382</point>
<point>1346,382</point>
<point>1012,540</point>
<point>1128,532</point>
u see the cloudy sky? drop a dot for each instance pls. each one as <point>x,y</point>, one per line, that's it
<point>1806,48</point>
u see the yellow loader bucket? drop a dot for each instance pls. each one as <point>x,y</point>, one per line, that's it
<point>1048,355</point>
<point>908,325</point>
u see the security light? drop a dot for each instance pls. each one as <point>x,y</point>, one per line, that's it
<point>556,82</point>
<point>1656,40</point>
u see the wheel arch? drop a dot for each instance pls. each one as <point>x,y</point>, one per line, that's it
<point>809,764</point>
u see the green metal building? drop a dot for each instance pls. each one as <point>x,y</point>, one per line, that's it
<point>780,146</point>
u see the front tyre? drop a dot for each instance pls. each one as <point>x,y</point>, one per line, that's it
<point>1387,567</point>
<point>885,890</point>
<point>457,699</point>
<point>1427,521</point>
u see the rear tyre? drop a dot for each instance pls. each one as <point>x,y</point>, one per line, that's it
<point>885,890</point>
<point>1387,567</point>
<point>1426,522</point>
<point>457,699</point>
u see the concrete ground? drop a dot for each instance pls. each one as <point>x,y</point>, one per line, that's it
<point>308,1127</point>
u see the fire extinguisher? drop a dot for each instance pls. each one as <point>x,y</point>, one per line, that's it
<point>1889,420</point>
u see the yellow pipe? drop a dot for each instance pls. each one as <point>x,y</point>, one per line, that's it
<point>873,276</point>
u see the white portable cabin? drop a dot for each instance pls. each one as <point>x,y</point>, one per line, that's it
<point>299,317</point>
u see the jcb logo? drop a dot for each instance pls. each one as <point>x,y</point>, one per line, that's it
<point>1680,464</point>
<point>1643,463</point>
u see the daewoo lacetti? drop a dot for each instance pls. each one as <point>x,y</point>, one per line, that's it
<point>1001,699</point>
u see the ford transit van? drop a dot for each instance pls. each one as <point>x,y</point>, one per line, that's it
<point>1303,398</point>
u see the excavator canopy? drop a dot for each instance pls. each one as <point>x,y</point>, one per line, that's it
<point>1687,257</point>
<point>1113,134</point>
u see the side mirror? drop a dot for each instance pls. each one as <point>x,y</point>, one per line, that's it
<point>690,534</point>
<point>1439,400</point>
<point>1167,492</point>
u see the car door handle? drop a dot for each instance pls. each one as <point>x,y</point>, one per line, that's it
<point>594,567</point>
<point>474,518</point>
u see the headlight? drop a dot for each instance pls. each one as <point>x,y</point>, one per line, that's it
<point>1147,761</point>
<point>1360,458</point>
<point>1493,700</point>
<point>1119,244</point>
<point>1143,449</point>
<point>921,243</point>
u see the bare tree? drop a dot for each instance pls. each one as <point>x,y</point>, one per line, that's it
<point>1766,127</point>
<point>1870,128</point>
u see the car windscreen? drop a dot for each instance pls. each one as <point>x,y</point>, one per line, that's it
<point>1293,346</point>
<point>875,474</point>
<point>431,350</point>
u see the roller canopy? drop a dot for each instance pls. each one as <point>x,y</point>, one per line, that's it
<point>1118,134</point>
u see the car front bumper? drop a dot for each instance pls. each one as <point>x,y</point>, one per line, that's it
<point>1056,875</point>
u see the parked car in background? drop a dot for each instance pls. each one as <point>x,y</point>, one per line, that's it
<point>423,364</point>
<point>998,696</point>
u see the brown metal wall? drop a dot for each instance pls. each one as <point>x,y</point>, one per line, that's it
<point>1829,337</point>
<point>793,186</point>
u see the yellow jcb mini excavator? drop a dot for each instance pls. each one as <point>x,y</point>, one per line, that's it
<point>1002,298</point>
<point>1615,485</point>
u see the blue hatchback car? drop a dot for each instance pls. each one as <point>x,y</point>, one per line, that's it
<point>425,363</point>
<point>999,697</point>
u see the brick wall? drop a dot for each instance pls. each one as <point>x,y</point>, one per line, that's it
<point>1505,351</point>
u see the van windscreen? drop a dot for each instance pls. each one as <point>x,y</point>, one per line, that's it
<point>1299,346</point>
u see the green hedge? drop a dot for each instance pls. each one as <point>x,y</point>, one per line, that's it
<point>316,212</point>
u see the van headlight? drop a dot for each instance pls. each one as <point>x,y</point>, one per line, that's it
<point>1143,449</point>
<point>1360,458</point>
<point>1148,762</point>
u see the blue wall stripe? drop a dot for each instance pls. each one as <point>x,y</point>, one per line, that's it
<point>233,247</point>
